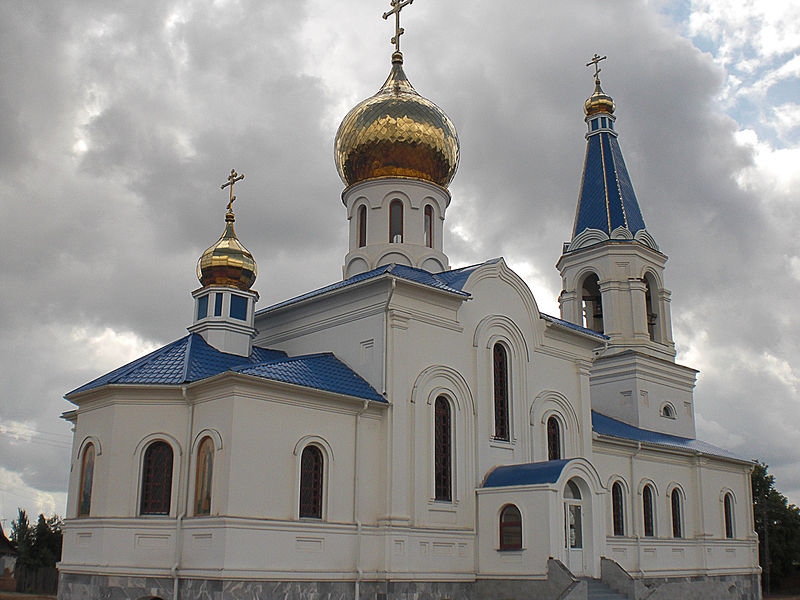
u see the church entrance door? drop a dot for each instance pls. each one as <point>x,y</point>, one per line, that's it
<point>573,528</point>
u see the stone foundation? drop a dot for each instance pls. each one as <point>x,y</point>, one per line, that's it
<point>557,586</point>
<point>720,587</point>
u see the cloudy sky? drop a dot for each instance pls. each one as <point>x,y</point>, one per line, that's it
<point>120,119</point>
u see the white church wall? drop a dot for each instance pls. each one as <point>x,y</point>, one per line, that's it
<point>700,481</point>
<point>350,324</point>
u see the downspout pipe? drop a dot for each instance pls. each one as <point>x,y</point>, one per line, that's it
<point>184,499</point>
<point>356,516</point>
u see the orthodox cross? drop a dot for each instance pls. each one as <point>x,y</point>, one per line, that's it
<point>397,6</point>
<point>596,62</point>
<point>232,178</point>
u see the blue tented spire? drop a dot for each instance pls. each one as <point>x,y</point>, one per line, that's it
<point>607,204</point>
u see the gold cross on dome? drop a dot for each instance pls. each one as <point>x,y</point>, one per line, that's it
<point>397,6</point>
<point>596,62</point>
<point>232,178</point>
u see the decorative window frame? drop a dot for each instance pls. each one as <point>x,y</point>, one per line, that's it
<point>644,483</point>
<point>499,528</point>
<point>728,493</point>
<point>216,439</point>
<point>327,473</point>
<point>432,382</point>
<point>674,489</point>
<point>667,411</point>
<point>626,520</point>
<point>554,404</point>
<point>491,330</point>
<point>138,455</point>
<point>88,442</point>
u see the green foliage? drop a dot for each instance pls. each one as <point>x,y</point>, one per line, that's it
<point>39,545</point>
<point>778,526</point>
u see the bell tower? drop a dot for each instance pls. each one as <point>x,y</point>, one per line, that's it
<point>612,274</point>
<point>612,270</point>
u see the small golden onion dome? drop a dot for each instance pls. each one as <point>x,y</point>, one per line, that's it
<point>598,102</point>
<point>397,133</point>
<point>227,263</point>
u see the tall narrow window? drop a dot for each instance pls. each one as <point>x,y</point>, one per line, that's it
<point>429,226</point>
<point>396,222</point>
<point>156,479</point>
<point>728,507</point>
<point>618,508</point>
<point>652,315</point>
<point>362,226</point>
<point>443,450</point>
<point>500,373</point>
<point>87,478</point>
<point>311,470</point>
<point>510,528</point>
<point>553,439</point>
<point>592,303</point>
<point>675,505</point>
<point>203,474</point>
<point>648,509</point>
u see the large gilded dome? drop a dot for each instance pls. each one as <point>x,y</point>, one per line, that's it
<point>397,133</point>
<point>227,263</point>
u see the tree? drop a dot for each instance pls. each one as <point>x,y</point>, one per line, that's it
<point>38,546</point>
<point>778,526</point>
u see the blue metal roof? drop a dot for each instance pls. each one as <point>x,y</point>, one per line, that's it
<point>613,428</point>
<point>319,371</point>
<point>191,359</point>
<point>525,474</point>
<point>607,200</point>
<point>447,281</point>
<point>579,328</point>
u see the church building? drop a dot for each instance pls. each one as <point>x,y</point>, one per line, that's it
<point>414,431</point>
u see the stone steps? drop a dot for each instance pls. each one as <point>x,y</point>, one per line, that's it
<point>597,590</point>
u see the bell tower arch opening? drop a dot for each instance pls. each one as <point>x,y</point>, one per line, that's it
<point>592,303</point>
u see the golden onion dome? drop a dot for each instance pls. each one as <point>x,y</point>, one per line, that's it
<point>227,262</point>
<point>598,102</point>
<point>397,133</point>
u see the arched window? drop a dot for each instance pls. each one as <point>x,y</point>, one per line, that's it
<point>428,226</point>
<point>311,472</point>
<point>651,304</point>
<point>510,528</point>
<point>362,226</point>
<point>648,508</point>
<point>156,479</point>
<point>618,508</point>
<point>501,396</point>
<point>592,303</point>
<point>396,222</point>
<point>87,478</point>
<point>553,439</point>
<point>443,450</point>
<point>677,513</point>
<point>203,473</point>
<point>668,411</point>
<point>728,508</point>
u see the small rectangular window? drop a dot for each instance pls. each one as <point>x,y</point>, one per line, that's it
<point>202,307</point>
<point>218,305</point>
<point>238,307</point>
<point>595,125</point>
